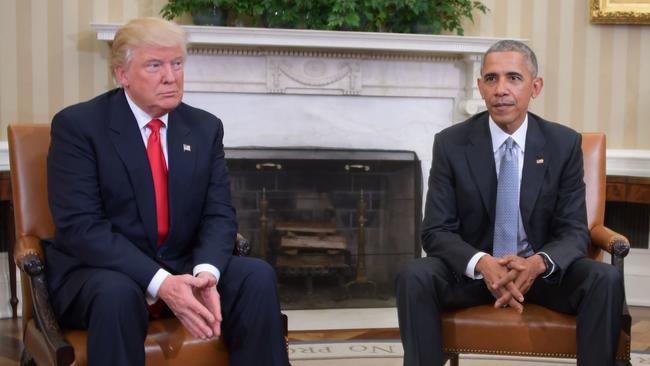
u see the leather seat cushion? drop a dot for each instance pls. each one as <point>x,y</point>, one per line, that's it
<point>538,331</point>
<point>168,343</point>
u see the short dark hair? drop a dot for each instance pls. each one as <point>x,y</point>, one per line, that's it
<point>508,45</point>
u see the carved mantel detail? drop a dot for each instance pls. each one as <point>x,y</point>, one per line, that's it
<point>309,75</point>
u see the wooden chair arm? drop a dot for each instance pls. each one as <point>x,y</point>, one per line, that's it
<point>58,348</point>
<point>242,246</point>
<point>27,245</point>
<point>610,241</point>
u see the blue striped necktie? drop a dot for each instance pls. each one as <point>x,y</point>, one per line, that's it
<point>507,210</point>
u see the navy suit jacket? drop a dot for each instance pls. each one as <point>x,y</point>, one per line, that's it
<point>102,198</point>
<point>461,200</point>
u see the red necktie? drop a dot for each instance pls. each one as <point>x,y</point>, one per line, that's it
<point>159,174</point>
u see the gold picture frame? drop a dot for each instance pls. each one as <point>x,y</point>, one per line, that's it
<point>620,11</point>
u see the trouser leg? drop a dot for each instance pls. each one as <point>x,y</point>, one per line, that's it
<point>594,291</point>
<point>111,307</point>
<point>252,324</point>
<point>424,288</point>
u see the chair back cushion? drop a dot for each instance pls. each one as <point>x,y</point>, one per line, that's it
<point>593,152</point>
<point>28,146</point>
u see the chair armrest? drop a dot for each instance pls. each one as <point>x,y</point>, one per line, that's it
<point>27,245</point>
<point>242,246</point>
<point>32,265</point>
<point>610,241</point>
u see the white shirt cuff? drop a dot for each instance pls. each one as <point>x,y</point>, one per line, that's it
<point>154,285</point>
<point>552,264</point>
<point>205,267</point>
<point>470,270</point>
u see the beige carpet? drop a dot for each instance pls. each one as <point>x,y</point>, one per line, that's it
<point>389,353</point>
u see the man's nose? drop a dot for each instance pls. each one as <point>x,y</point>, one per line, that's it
<point>168,73</point>
<point>501,87</point>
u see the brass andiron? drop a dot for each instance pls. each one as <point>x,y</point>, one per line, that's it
<point>264,210</point>
<point>264,224</point>
<point>360,279</point>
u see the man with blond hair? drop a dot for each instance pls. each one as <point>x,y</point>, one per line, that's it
<point>140,196</point>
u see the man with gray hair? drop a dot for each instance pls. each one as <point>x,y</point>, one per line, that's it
<point>505,222</point>
<point>140,196</point>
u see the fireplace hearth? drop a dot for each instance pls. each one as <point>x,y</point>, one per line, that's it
<point>336,224</point>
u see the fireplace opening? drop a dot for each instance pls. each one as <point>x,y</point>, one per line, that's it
<point>336,224</point>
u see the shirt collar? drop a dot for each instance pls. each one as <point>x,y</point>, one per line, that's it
<point>499,137</point>
<point>141,116</point>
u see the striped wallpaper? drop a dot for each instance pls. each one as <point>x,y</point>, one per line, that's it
<point>594,79</point>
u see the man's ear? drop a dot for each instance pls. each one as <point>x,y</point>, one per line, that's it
<point>120,75</point>
<point>538,84</point>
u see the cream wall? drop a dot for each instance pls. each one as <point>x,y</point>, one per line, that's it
<point>594,79</point>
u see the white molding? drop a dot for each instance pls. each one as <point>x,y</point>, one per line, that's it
<point>303,38</point>
<point>4,156</point>
<point>633,163</point>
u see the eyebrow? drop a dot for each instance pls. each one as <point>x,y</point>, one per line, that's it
<point>156,59</point>
<point>509,73</point>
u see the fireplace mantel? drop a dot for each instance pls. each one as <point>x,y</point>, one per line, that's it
<point>323,40</point>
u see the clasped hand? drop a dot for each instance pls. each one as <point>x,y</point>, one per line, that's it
<point>510,277</point>
<point>195,302</point>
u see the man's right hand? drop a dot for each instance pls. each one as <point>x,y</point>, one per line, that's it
<point>494,272</point>
<point>177,292</point>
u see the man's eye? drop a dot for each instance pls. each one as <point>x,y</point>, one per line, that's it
<point>489,78</point>
<point>153,66</point>
<point>177,65</point>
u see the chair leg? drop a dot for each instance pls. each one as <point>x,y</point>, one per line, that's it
<point>453,359</point>
<point>26,359</point>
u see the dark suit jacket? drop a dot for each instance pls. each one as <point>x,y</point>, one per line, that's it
<point>102,198</point>
<point>461,200</point>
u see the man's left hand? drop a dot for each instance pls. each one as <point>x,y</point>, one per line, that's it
<point>209,297</point>
<point>523,270</point>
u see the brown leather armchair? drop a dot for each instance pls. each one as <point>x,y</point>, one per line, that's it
<point>541,332</point>
<point>168,343</point>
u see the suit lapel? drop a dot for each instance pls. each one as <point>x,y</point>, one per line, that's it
<point>480,158</point>
<point>127,139</point>
<point>535,163</point>
<point>181,155</point>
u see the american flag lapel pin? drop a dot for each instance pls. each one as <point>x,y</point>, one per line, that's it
<point>187,147</point>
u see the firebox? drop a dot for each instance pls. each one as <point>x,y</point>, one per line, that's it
<point>336,224</point>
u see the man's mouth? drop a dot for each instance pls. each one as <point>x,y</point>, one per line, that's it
<point>502,105</point>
